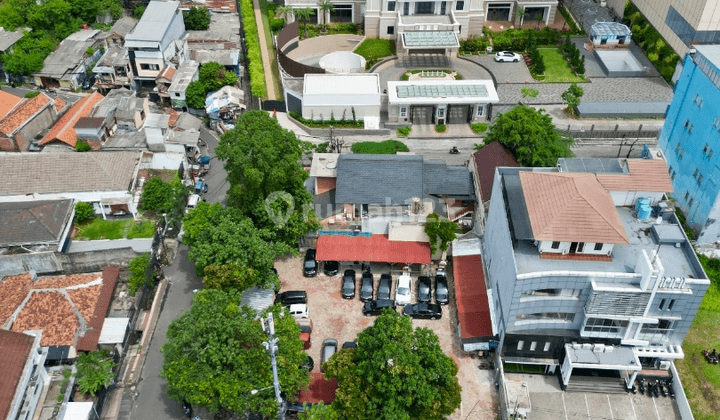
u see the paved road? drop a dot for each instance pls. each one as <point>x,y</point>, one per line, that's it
<point>67,96</point>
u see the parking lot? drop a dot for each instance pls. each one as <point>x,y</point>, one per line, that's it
<point>342,319</point>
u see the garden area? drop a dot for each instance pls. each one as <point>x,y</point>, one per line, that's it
<point>375,49</point>
<point>343,122</point>
<point>99,228</point>
<point>647,37</point>
<point>557,68</point>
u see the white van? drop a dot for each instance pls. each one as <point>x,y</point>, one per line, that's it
<point>192,202</point>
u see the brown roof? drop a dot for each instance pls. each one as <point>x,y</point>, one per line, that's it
<point>471,297</point>
<point>7,102</point>
<point>486,160</point>
<point>42,173</point>
<point>325,184</point>
<point>64,128</point>
<point>13,290</point>
<point>168,73</point>
<point>645,175</point>
<point>96,318</point>
<point>50,312</point>
<point>174,115</point>
<point>571,207</point>
<point>59,104</point>
<point>15,349</point>
<point>23,111</point>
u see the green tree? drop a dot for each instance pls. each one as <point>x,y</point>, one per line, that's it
<point>319,411</point>
<point>572,96</point>
<point>138,268</point>
<point>113,7</point>
<point>94,371</point>
<point>55,17</point>
<point>197,19</point>
<point>531,136</point>
<point>326,8</point>
<point>84,212</point>
<point>82,146</point>
<point>195,95</point>
<point>157,195</point>
<point>230,78</point>
<point>214,355</point>
<point>395,373</point>
<point>220,235</point>
<point>267,182</point>
<point>303,16</point>
<point>138,12</point>
<point>230,277</point>
<point>212,75</point>
<point>85,10</point>
<point>439,228</point>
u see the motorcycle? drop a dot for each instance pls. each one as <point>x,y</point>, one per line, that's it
<point>454,151</point>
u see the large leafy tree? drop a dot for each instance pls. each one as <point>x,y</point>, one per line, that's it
<point>266,179</point>
<point>440,228</point>
<point>220,235</point>
<point>395,373</point>
<point>197,19</point>
<point>94,371</point>
<point>195,95</point>
<point>28,53</point>
<point>230,277</point>
<point>214,356</point>
<point>531,136</point>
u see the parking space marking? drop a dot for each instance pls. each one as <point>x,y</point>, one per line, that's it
<point>611,413</point>
<point>564,406</point>
<point>656,410</point>
<point>587,406</point>
<point>633,407</point>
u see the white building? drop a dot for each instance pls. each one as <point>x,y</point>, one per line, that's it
<point>342,97</point>
<point>23,373</point>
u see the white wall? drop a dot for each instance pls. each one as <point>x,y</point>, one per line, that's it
<point>588,248</point>
<point>629,198</point>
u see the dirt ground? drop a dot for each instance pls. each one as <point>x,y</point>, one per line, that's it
<point>342,319</point>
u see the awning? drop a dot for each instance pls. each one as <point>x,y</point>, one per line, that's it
<point>113,330</point>
<point>77,411</point>
<point>471,296</point>
<point>373,248</point>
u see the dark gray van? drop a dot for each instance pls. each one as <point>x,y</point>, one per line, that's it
<point>291,297</point>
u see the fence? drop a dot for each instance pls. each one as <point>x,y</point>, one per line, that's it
<point>680,398</point>
<point>615,133</point>
<point>286,37</point>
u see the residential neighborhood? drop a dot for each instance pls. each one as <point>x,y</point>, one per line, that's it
<point>366,210</point>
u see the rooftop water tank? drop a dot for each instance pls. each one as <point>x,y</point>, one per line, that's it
<point>644,212</point>
<point>641,202</point>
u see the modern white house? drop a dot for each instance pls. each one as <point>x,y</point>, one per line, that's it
<point>342,97</point>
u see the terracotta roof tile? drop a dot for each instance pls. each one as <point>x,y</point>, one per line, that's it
<point>50,312</point>
<point>60,104</point>
<point>645,175</point>
<point>376,248</point>
<point>7,102</point>
<point>571,207</point>
<point>168,73</point>
<point>486,160</point>
<point>64,281</point>
<point>12,292</point>
<point>471,297</point>
<point>85,299</point>
<point>325,184</point>
<point>64,128</point>
<point>174,115</point>
<point>15,349</point>
<point>96,319</point>
<point>22,112</point>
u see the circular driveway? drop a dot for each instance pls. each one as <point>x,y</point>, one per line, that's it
<point>394,69</point>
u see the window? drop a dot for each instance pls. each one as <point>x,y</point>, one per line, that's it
<point>424,8</point>
<point>459,5</point>
<point>580,247</point>
<point>391,30</point>
<point>146,66</point>
<point>480,110</point>
<point>562,293</point>
<point>661,306</point>
<point>690,203</point>
<point>443,7</point>
<point>695,174</point>
<point>177,94</point>
<point>603,325</point>
<point>672,177</point>
<point>690,130</point>
<point>699,179</point>
<point>533,346</point>
<point>520,345</point>
<point>391,6</point>
<point>546,317</point>
<point>705,149</point>
<point>687,123</point>
<point>687,194</point>
<point>406,8</point>
<point>342,13</point>
<point>403,110</point>
<point>710,153</point>
<point>671,304</point>
<point>547,346</point>
<point>555,245</point>
<point>598,247</point>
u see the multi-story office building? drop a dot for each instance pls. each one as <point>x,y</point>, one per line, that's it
<point>690,138</point>
<point>584,273</point>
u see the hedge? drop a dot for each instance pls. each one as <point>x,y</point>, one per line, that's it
<point>647,37</point>
<point>252,44</point>
<point>327,123</point>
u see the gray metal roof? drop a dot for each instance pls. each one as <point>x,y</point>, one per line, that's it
<point>441,91</point>
<point>379,179</point>
<point>8,39</point>
<point>33,222</point>
<point>154,21</point>
<point>123,26</point>
<point>515,199</point>
<point>430,39</point>
<point>591,165</point>
<point>441,179</point>
<point>610,28</point>
<point>258,299</point>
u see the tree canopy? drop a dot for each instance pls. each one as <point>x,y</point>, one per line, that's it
<point>394,373</point>
<point>197,19</point>
<point>195,95</point>
<point>572,96</point>
<point>440,228</point>
<point>266,179</point>
<point>531,136</point>
<point>230,277</point>
<point>214,355</point>
<point>94,371</point>
<point>220,235</point>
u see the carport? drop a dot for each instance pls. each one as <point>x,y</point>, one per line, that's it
<point>340,246</point>
<point>429,42</point>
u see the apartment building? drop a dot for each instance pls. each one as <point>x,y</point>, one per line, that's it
<point>579,279</point>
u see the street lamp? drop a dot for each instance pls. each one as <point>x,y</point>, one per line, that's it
<point>255,391</point>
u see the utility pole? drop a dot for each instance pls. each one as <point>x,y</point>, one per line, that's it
<point>271,346</point>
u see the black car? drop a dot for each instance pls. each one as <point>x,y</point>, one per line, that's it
<point>291,297</point>
<point>348,284</point>
<point>374,307</point>
<point>310,266</point>
<point>442,297</point>
<point>331,268</point>
<point>385,287</point>
<point>349,345</point>
<point>366,286</point>
<point>88,82</point>
<point>309,364</point>
<point>424,292</point>
<point>423,311</point>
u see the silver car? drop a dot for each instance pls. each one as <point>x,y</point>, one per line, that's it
<point>329,348</point>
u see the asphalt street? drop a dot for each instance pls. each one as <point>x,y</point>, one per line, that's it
<point>21,91</point>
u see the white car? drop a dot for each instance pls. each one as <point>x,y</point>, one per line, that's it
<point>507,56</point>
<point>192,202</point>
<point>403,290</point>
<point>299,310</point>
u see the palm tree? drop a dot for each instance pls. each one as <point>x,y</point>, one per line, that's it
<point>302,16</point>
<point>325,8</point>
<point>284,12</point>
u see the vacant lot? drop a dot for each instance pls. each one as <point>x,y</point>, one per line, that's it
<point>342,319</point>
<point>100,228</point>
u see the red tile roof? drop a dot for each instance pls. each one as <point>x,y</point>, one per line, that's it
<point>486,160</point>
<point>22,112</point>
<point>325,184</point>
<point>12,290</point>
<point>168,73</point>
<point>7,102</point>
<point>174,115</point>
<point>60,104</point>
<point>50,312</point>
<point>319,390</point>
<point>376,248</point>
<point>471,297</point>
<point>96,318</point>
<point>571,207</point>
<point>15,349</point>
<point>64,128</point>
<point>645,175</point>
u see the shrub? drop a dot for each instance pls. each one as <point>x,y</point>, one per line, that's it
<point>82,146</point>
<point>479,128</point>
<point>32,94</point>
<point>327,123</point>
<point>197,19</point>
<point>84,212</point>
<point>252,45</point>
<point>138,267</point>
<point>387,147</point>
<point>94,371</point>
<point>404,131</point>
<point>138,12</point>
<point>440,128</point>
<point>276,24</point>
<point>90,51</point>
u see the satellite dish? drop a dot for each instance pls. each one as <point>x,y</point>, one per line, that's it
<point>331,165</point>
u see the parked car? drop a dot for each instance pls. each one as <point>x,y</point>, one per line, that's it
<point>291,297</point>
<point>375,307</point>
<point>306,327</point>
<point>88,82</point>
<point>349,345</point>
<point>299,310</point>
<point>331,268</point>
<point>442,297</point>
<point>310,266</point>
<point>193,200</point>
<point>366,286</point>
<point>403,291</point>
<point>384,289</point>
<point>329,348</point>
<point>309,364</point>
<point>424,293</point>
<point>423,311</point>
<point>504,56</point>
<point>348,284</point>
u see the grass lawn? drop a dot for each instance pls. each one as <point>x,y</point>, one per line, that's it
<point>141,229</point>
<point>387,147</point>
<point>115,229</point>
<point>512,367</point>
<point>557,68</point>
<point>375,48</point>
<point>166,175</point>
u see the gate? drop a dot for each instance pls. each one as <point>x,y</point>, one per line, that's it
<point>458,114</point>
<point>423,115</point>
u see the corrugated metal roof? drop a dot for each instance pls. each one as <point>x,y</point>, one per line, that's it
<point>258,299</point>
<point>592,165</point>
<point>113,330</point>
<point>154,22</point>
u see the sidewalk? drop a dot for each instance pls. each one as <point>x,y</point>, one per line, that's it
<point>267,68</point>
